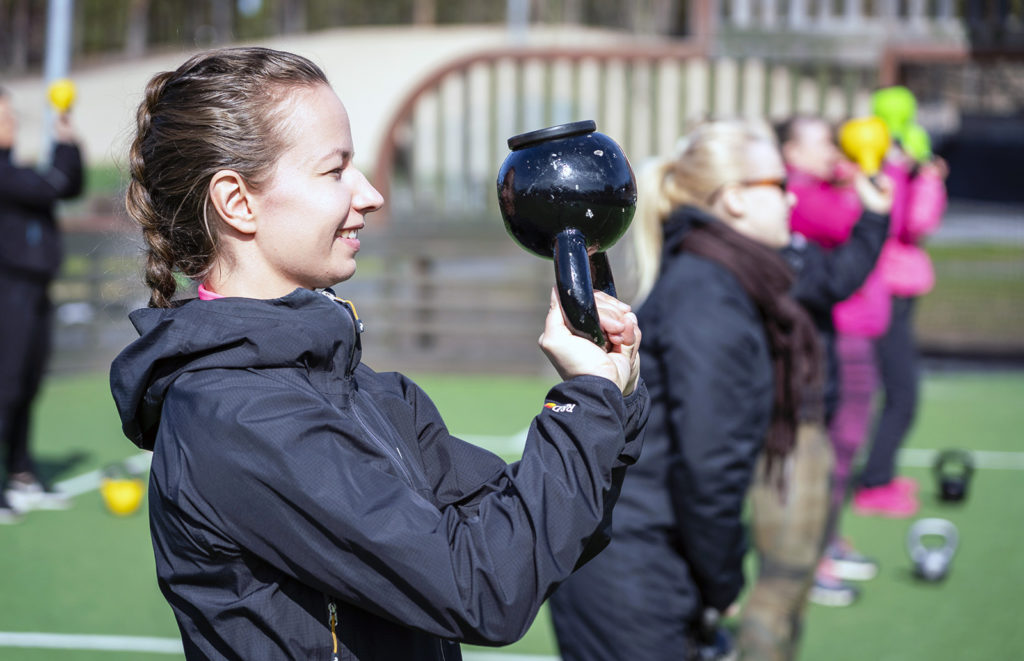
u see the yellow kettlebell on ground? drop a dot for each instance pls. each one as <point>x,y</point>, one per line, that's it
<point>61,95</point>
<point>122,493</point>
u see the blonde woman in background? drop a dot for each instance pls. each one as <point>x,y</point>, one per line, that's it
<point>728,354</point>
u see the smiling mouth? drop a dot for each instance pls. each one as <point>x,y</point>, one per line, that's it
<point>348,234</point>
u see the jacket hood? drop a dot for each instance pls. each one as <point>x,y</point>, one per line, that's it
<point>303,329</point>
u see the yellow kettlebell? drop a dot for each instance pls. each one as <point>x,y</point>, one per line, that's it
<point>865,141</point>
<point>122,493</point>
<point>61,94</point>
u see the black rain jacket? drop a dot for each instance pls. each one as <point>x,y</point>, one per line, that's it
<point>30,244</point>
<point>827,277</point>
<point>706,363</point>
<point>291,483</point>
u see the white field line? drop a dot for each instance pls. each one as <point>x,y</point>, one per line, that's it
<point>513,445</point>
<point>136,464</point>
<point>498,656</point>
<point>922,458</point>
<point>912,457</point>
<point>61,641</point>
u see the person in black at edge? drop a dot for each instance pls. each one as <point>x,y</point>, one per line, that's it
<point>30,258</point>
<point>303,506</point>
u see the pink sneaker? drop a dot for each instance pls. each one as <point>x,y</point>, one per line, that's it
<point>907,484</point>
<point>887,500</point>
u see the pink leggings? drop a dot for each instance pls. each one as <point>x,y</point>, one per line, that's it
<point>858,380</point>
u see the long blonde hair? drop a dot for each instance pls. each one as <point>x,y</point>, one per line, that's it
<point>710,156</point>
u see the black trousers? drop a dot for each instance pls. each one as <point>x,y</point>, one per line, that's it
<point>898,369</point>
<point>634,600</point>
<point>24,350</point>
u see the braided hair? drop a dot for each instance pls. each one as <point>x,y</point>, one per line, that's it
<point>220,110</point>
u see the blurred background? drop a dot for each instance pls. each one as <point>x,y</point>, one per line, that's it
<point>435,88</point>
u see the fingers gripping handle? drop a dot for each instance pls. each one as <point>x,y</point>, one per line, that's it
<point>575,287</point>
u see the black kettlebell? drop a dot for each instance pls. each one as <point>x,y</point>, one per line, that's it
<point>568,193</point>
<point>953,469</point>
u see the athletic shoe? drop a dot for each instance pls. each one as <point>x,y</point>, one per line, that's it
<point>906,484</point>
<point>849,564</point>
<point>828,590</point>
<point>7,513</point>
<point>888,500</point>
<point>25,493</point>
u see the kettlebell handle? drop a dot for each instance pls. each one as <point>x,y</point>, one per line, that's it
<point>601,273</point>
<point>954,456</point>
<point>575,284</point>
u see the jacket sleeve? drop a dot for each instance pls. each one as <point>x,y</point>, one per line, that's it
<point>303,498</point>
<point>833,276</point>
<point>826,215</point>
<point>463,474</point>
<point>460,472</point>
<point>718,390</point>
<point>28,188</point>
<point>926,202</point>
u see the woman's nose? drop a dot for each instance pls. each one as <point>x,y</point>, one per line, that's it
<point>367,198</point>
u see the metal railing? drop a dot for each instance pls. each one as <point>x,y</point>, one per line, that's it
<point>442,149</point>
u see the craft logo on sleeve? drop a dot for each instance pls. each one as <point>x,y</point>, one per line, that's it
<point>560,408</point>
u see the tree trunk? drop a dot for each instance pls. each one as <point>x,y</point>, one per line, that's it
<point>222,18</point>
<point>572,12</point>
<point>19,37</point>
<point>292,16</point>
<point>136,38</point>
<point>424,12</point>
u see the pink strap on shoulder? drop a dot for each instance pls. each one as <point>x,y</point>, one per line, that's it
<point>207,295</point>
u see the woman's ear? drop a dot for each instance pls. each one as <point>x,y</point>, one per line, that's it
<point>233,201</point>
<point>732,201</point>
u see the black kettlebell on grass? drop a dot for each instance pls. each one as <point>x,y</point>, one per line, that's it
<point>568,193</point>
<point>953,470</point>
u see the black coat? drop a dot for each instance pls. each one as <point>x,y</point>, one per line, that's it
<point>827,277</point>
<point>289,479</point>
<point>705,359</point>
<point>30,244</point>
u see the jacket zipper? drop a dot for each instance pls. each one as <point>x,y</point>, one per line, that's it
<point>440,646</point>
<point>384,446</point>
<point>332,611</point>
<point>357,327</point>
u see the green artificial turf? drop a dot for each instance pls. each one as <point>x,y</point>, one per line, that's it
<point>85,571</point>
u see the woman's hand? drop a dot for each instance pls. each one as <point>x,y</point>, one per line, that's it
<point>936,167</point>
<point>875,194</point>
<point>574,356</point>
<point>63,130</point>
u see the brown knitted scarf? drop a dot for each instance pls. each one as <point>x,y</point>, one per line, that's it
<point>792,338</point>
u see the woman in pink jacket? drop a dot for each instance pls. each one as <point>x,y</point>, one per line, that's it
<point>906,270</point>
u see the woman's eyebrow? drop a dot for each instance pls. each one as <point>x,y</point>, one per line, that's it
<point>344,154</point>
